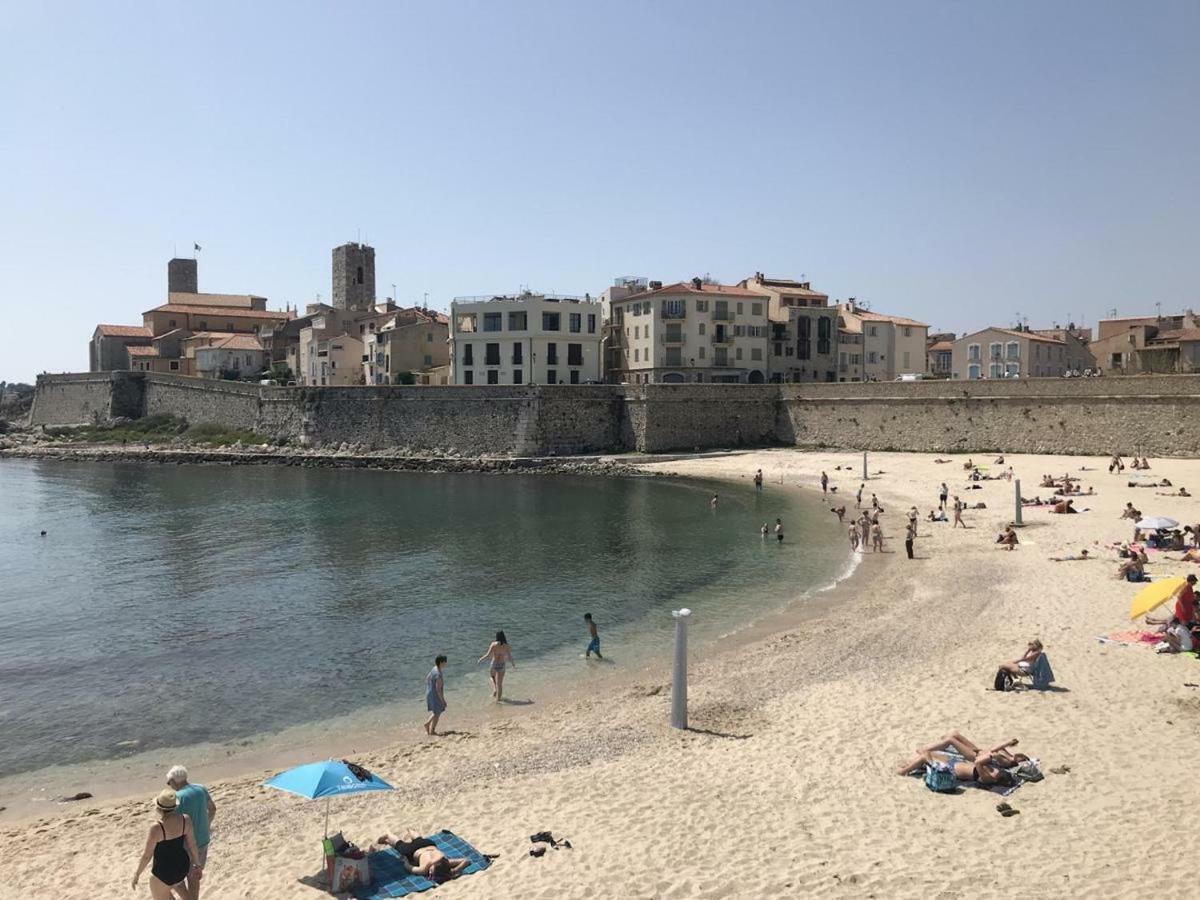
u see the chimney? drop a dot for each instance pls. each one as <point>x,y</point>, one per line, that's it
<point>656,285</point>
<point>697,283</point>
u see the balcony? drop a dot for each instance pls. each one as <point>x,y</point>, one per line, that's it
<point>722,315</point>
<point>673,337</point>
<point>722,336</point>
<point>668,313</point>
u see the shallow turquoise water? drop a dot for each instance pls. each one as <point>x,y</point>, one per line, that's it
<point>173,605</point>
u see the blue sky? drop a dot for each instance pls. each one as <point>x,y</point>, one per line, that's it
<point>957,162</point>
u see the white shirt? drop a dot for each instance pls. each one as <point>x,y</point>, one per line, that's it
<point>1184,635</point>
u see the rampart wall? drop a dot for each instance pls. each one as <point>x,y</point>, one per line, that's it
<point>1158,416</point>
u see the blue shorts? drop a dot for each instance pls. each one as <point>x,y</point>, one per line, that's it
<point>594,646</point>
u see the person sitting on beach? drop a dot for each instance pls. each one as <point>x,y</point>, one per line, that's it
<point>1176,639</point>
<point>1008,538</point>
<point>1048,482</point>
<point>978,766</point>
<point>1166,482</point>
<point>422,857</point>
<point>1132,570</point>
<point>1130,513</point>
<point>1083,554</point>
<point>968,465</point>
<point>1185,606</point>
<point>1135,464</point>
<point>999,461</point>
<point>1064,506</point>
<point>1145,464</point>
<point>1025,664</point>
<point>938,515</point>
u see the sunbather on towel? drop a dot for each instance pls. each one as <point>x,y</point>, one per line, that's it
<point>980,766</point>
<point>422,857</point>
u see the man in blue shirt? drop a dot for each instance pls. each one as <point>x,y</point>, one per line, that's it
<point>194,800</point>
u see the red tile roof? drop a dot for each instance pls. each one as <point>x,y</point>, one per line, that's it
<point>239,342</point>
<point>940,345</point>
<point>868,316</point>
<point>124,331</point>
<point>229,312</point>
<point>142,351</point>
<point>686,287</point>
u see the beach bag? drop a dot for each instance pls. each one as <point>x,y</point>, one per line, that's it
<point>939,778</point>
<point>349,873</point>
<point>1004,681</point>
<point>1029,770</point>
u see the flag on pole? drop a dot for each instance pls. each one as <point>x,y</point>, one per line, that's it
<point>196,247</point>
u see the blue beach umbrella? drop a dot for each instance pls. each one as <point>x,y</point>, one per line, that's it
<point>328,779</point>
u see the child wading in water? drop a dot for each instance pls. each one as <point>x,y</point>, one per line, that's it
<point>594,644</point>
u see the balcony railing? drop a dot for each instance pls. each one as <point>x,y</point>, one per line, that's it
<point>725,337</point>
<point>673,337</point>
<point>722,315</point>
<point>673,313</point>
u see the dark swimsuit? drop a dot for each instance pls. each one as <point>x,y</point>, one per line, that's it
<point>171,860</point>
<point>408,849</point>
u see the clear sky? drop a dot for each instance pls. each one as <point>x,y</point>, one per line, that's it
<point>957,162</point>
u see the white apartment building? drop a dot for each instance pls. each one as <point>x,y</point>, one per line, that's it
<point>690,331</point>
<point>891,345</point>
<point>529,338</point>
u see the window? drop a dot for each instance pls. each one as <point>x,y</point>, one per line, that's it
<point>428,360</point>
<point>491,354</point>
<point>171,324</point>
<point>906,363</point>
<point>574,376</point>
<point>778,349</point>
<point>1012,369</point>
<point>203,325</point>
<point>974,371</point>
<point>551,321</point>
<point>493,376</point>
<point>871,357</point>
<point>701,306</point>
<point>575,322</point>
<point>636,357</point>
<point>674,309</point>
<point>551,376</point>
<point>803,338</point>
<point>1014,349</point>
<point>873,331</point>
<point>174,365</point>
<point>518,353</point>
<point>996,370</point>
<point>824,335</point>
<point>574,354</point>
<point>429,337</point>
<point>362,329</point>
<point>701,329</point>
<point>229,326</point>
<point>517,321</point>
<point>637,332</point>
<point>518,377</point>
<point>738,354</point>
<point>973,352</point>
<point>739,309</point>
<point>468,354</point>
<point>907,331</point>
<point>492,321</point>
<point>591,323</point>
<point>701,351</point>
<point>756,353</point>
<point>756,309</point>
<point>552,354</point>
<point>358,275</point>
<point>466,322</point>
<point>994,350</point>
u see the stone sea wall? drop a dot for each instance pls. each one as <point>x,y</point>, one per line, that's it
<point>1158,416</point>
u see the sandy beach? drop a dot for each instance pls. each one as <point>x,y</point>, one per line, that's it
<point>785,784</point>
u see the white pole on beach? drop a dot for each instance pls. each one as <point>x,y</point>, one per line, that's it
<point>864,465</point>
<point>1017,499</point>
<point>679,676</point>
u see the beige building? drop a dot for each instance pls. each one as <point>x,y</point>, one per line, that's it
<point>939,356</point>
<point>399,341</point>
<point>691,331</point>
<point>1147,344</point>
<point>233,356</point>
<point>804,329</point>
<point>891,345</point>
<point>525,339</point>
<point>1007,353</point>
<point>329,350</point>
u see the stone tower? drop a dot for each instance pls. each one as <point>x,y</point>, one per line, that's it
<point>354,277</point>
<point>181,277</point>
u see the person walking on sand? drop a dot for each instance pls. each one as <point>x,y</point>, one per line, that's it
<point>758,481</point>
<point>435,695</point>
<point>779,530</point>
<point>197,804</point>
<point>594,644</point>
<point>171,844</point>
<point>876,538</point>
<point>858,497</point>
<point>864,527</point>
<point>824,483</point>
<point>500,653</point>
<point>853,533</point>
<point>943,493</point>
<point>958,508</point>
<point>910,535</point>
<point>875,504</point>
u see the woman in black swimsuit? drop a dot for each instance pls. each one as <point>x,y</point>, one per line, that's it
<point>172,845</point>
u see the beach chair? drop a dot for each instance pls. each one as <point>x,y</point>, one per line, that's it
<point>1039,675</point>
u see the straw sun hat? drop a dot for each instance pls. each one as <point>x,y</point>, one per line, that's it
<point>166,801</point>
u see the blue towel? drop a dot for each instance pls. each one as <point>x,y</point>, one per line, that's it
<point>389,878</point>
<point>1042,674</point>
<point>1002,789</point>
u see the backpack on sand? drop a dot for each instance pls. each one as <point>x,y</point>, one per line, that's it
<point>1003,682</point>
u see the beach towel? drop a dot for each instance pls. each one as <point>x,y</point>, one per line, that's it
<point>389,878</point>
<point>1131,637</point>
<point>1042,674</point>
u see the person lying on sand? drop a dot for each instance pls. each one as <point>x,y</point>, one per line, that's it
<point>978,766</point>
<point>1191,555</point>
<point>1083,554</point>
<point>422,857</point>
<point>940,460</point>
<point>1182,492</point>
<point>1064,506</point>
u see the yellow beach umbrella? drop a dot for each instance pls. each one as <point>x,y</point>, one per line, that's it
<point>1154,595</point>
